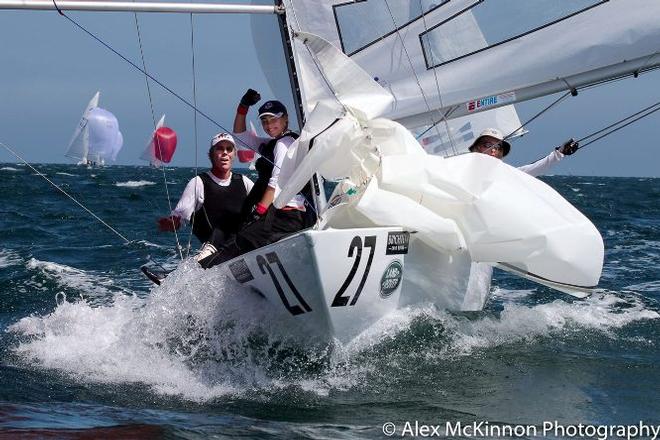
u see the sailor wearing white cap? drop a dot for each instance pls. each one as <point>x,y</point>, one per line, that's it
<point>492,142</point>
<point>212,201</point>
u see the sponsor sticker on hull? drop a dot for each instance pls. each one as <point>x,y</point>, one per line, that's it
<point>397,243</point>
<point>240,270</point>
<point>391,279</point>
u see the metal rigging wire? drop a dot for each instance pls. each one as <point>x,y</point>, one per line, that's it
<point>419,84</point>
<point>194,92</point>
<point>59,188</point>
<point>153,120</point>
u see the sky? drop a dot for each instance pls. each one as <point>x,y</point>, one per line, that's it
<point>50,69</point>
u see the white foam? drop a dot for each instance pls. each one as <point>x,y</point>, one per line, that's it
<point>520,323</point>
<point>195,335</point>
<point>651,286</point>
<point>93,286</point>
<point>135,183</point>
<point>9,169</point>
<point>147,243</point>
<point>169,340</point>
<point>66,174</point>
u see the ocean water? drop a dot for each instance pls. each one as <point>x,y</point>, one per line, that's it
<point>89,350</point>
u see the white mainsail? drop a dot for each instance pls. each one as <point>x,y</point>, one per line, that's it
<point>426,53</point>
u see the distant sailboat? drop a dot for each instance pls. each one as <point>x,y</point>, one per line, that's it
<point>161,146</point>
<point>97,138</point>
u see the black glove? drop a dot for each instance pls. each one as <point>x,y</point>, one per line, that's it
<point>255,214</point>
<point>251,97</point>
<point>569,147</point>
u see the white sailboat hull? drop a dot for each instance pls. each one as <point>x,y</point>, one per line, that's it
<point>331,285</point>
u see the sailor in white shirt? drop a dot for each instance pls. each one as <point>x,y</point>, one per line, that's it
<point>491,142</point>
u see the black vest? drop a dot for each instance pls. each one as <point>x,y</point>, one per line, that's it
<point>221,208</point>
<point>264,167</point>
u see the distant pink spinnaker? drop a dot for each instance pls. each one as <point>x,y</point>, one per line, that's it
<point>161,146</point>
<point>164,144</point>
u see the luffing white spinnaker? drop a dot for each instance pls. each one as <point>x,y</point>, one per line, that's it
<point>467,203</point>
<point>97,138</point>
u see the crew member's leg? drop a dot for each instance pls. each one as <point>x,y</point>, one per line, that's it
<point>274,226</point>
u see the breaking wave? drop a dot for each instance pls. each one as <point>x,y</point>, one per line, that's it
<point>135,183</point>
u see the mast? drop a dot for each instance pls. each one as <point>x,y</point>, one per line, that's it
<point>316,183</point>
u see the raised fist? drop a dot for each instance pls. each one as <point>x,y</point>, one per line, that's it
<point>251,97</point>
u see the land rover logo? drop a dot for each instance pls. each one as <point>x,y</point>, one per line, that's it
<point>391,279</point>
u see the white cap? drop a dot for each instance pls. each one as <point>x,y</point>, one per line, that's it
<point>222,136</point>
<point>492,132</point>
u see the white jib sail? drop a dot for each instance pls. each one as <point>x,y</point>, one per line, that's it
<point>79,145</point>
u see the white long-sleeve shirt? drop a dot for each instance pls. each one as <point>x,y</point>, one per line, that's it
<point>281,147</point>
<point>193,195</point>
<point>542,165</point>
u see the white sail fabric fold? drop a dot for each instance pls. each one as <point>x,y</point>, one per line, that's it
<point>440,233</point>
<point>350,84</point>
<point>505,215</point>
<point>297,168</point>
<point>498,213</point>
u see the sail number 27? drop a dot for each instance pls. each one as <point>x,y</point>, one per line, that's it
<point>270,260</point>
<point>355,247</point>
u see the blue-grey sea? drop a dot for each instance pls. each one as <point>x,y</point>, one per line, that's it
<point>89,350</point>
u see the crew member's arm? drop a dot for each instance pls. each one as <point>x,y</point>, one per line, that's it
<point>541,166</point>
<point>191,200</point>
<point>251,97</point>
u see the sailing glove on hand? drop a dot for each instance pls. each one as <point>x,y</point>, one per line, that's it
<point>251,97</point>
<point>169,224</point>
<point>569,147</point>
<point>258,211</point>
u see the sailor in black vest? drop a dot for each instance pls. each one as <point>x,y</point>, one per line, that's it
<point>265,224</point>
<point>213,200</point>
